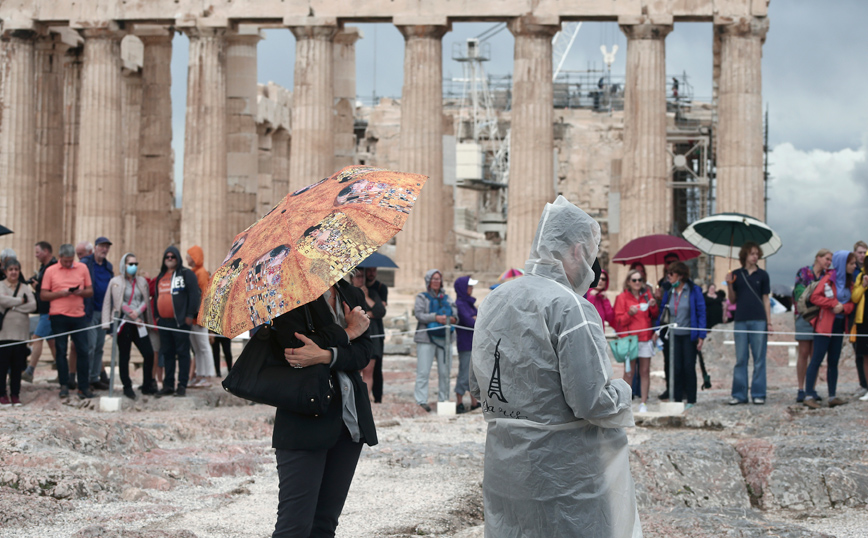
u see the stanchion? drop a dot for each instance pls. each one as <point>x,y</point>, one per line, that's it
<point>111,402</point>
<point>672,407</point>
<point>447,407</point>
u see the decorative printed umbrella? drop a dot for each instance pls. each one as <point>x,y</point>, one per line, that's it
<point>651,249</point>
<point>378,260</point>
<point>509,274</point>
<point>305,244</point>
<point>725,233</point>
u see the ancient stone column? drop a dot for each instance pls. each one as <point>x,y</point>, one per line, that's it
<point>100,172</point>
<point>18,144</point>
<point>312,106</point>
<point>265,192</point>
<point>646,201</point>
<point>424,242</point>
<point>72,62</point>
<point>242,153</point>
<point>49,139</point>
<point>156,187</point>
<point>131,105</point>
<point>345,96</point>
<point>531,153</point>
<point>203,220</point>
<point>279,165</point>
<point>739,130</point>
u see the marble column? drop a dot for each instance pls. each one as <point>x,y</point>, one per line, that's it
<point>155,186</point>
<point>72,63</point>
<point>740,117</point>
<point>265,191</point>
<point>17,144</point>
<point>531,152</point>
<point>100,172</point>
<point>425,241</point>
<point>279,165</point>
<point>646,200</point>
<point>49,139</point>
<point>242,142</point>
<point>345,96</point>
<point>131,106</point>
<point>203,220</point>
<point>312,106</point>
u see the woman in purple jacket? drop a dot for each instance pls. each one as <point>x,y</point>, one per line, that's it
<point>466,318</point>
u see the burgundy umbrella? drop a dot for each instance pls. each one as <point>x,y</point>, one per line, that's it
<point>651,249</point>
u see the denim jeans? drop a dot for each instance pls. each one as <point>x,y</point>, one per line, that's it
<point>822,345</point>
<point>96,342</point>
<point>750,344</point>
<point>462,383</point>
<point>425,354</point>
<point>63,324</point>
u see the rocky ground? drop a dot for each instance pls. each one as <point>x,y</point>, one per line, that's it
<point>202,466</point>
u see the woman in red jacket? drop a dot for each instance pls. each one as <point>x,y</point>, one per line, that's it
<point>635,310</point>
<point>597,297</point>
<point>832,295</point>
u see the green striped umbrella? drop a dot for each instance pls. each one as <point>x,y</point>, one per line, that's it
<point>725,233</point>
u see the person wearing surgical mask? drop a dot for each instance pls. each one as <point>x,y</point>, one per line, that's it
<point>128,304</point>
<point>555,411</point>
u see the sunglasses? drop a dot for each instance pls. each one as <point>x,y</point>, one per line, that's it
<point>133,263</point>
<point>170,257</point>
<point>635,280</point>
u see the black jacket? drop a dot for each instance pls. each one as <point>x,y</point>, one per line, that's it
<point>185,290</point>
<point>293,431</point>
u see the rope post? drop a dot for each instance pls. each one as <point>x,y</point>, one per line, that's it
<point>114,358</point>
<point>672,361</point>
<point>447,352</point>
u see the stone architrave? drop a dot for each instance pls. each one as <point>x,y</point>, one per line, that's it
<point>100,171</point>
<point>531,153</point>
<point>203,219</point>
<point>312,144</point>
<point>132,109</point>
<point>155,196</point>
<point>424,242</point>
<point>279,165</point>
<point>72,63</point>
<point>345,96</point>
<point>265,191</point>
<point>49,138</point>
<point>18,143</point>
<point>646,202</point>
<point>242,141</point>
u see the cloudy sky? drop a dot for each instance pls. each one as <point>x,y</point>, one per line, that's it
<point>815,84</point>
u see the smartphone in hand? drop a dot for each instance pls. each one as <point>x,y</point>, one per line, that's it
<point>72,290</point>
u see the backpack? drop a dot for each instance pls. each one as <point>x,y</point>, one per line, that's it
<point>807,309</point>
<point>441,307</point>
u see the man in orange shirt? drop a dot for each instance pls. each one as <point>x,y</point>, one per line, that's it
<point>65,286</point>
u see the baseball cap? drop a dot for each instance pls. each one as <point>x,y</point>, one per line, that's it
<point>100,240</point>
<point>472,282</point>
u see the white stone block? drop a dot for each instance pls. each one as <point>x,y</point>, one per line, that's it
<point>445,408</point>
<point>671,408</point>
<point>109,405</point>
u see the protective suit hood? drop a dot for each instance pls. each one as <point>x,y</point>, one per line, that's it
<point>561,227</point>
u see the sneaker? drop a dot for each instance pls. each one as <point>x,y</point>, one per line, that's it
<point>643,408</point>
<point>5,401</point>
<point>864,398</point>
<point>426,407</point>
<point>181,392</point>
<point>735,401</point>
<point>103,377</point>
<point>835,401</point>
<point>27,375</point>
<point>759,401</point>
<point>130,393</point>
<point>149,388</point>
<point>459,409</point>
<point>16,402</point>
<point>812,403</point>
<point>64,391</point>
<point>99,385</point>
<point>800,397</point>
<point>477,405</point>
<point>86,394</point>
<point>167,391</point>
<point>664,396</point>
<point>72,384</point>
<point>688,406</point>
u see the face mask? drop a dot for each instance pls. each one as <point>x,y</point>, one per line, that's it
<point>131,270</point>
<point>597,272</point>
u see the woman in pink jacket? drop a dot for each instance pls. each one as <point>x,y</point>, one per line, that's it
<point>635,310</point>
<point>597,297</point>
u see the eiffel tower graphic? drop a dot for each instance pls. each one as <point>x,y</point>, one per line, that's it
<point>494,389</point>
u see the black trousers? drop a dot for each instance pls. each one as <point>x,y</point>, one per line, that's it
<point>377,386</point>
<point>313,488</point>
<point>685,369</point>
<point>174,344</point>
<point>13,359</point>
<point>860,369</point>
<point>226,344</point>
<point>128,336</point>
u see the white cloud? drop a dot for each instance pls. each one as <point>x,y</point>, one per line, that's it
<point>817,199</point>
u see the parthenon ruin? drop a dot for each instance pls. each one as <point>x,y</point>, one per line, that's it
<point>85,117</point>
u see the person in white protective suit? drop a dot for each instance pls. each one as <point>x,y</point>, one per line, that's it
<point>556,455</point>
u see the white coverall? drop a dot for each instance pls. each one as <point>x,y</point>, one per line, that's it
<point>556,455</point>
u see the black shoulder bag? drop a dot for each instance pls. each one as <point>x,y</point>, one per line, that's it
<point>262,375</point>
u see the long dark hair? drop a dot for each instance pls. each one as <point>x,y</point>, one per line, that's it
<point>850,276</point>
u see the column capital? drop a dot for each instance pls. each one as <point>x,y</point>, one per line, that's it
<point>318,32</point>
<point>152,34</point>
<point>529,25</point>
<point>646,26</point>
<point>109,31</point>
<point>348,36</point>
<point>742,26</point>
<point>9,33</point>
<point>210,31</point>
<point>425,31</point>
<point>245,33</point>
<point>51,42</point>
